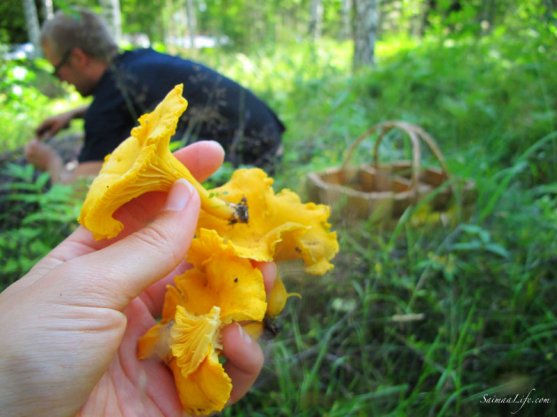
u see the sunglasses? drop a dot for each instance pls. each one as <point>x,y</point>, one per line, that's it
<point>62,62</point>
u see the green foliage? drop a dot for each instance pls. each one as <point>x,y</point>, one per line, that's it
<point>498,104</point>
<point>35,217</point>
<point>428,317</point>
<point>424,323</point>
<point>26,93</point>
<point>269,22</point>
<point>18,101</point>
<point>12,22</point>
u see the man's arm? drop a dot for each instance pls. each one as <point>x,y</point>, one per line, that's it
<point>52,125</point>
<point>83,169</point>
<point>45,158</point>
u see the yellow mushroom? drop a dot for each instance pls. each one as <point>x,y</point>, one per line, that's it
<point>278,297</point>
<point>143,163</point>
<point>206,390</point>
<point>220,278</point>
<point>241,222</point>
<point>203,385</point>
<point>279,226</point>
<point>219,289</point>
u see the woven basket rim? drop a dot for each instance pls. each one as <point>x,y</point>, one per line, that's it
<point>317,179</point>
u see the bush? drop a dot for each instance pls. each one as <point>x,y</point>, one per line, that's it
<point>34,218</point>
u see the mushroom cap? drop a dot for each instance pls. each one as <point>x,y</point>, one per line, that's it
<point>279,226</point>
<point>219,277</point>
<point>140,164</point>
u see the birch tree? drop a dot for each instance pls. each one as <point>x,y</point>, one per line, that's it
<point>47,9</point>
<point>316,19</point>
<point>366,18</point>
<point>192,21</point>
<point>113,17</point>
<point>345,14</point>
<point>32,23</point>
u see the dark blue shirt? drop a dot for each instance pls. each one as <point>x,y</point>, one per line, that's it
<point>219,108</point>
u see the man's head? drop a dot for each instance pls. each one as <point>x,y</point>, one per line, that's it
<point>79,46</point>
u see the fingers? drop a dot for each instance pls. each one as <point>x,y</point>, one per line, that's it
<point>40,155</point>
<point>153,297</point>
<point>113,276</point>
<point>244,360</point>
<point>269,271</point>
<point>31,148</point>
<point>151,376</point>
<point>243,354</point>
<point>43,129</point>
<point>52,125</point>
<point>202,158</point>
<point>47,130</point>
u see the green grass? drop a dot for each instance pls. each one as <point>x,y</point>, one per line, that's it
<point>478,291</point>
<point>483,286</point>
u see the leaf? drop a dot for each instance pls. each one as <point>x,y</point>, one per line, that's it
<point>498,250</point>
<point>476,230</point>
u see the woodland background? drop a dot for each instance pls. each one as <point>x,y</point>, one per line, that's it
<point>423,317</point>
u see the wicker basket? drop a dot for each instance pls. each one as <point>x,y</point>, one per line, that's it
<point>386,190</point>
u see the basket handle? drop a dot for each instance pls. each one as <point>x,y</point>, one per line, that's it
<point>415,133</point>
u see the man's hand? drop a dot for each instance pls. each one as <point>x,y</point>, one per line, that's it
<point>45,158</point>
<point>42,156</point>
<point>52,125</point>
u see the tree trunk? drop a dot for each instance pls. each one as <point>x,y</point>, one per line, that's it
<point>345,13</point>
<point>366,18</point>
<point>113,16</point>
<point>316,22</point>
<point>180,24</point>
<point>32,23</point>
<point>47,9</point>
<point>192,21</point>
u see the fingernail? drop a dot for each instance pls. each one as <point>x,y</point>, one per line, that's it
<point>179,195</point>
<point>270,273</point>
<point>246,337</point>
<point>214,144</point>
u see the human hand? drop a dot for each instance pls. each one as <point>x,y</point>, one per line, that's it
<point>52,125</point>
<point>42,156</point>
<point>71,324</point>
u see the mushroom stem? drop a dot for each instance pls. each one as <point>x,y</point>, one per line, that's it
<point>211,203</point>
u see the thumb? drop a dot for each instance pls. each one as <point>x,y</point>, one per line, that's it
<point>113,276</point>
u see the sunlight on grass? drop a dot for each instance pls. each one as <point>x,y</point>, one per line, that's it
<point>394,45</point>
